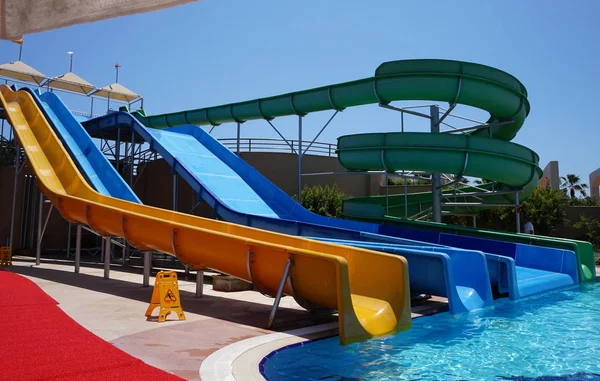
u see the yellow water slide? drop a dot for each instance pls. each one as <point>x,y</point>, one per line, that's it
<point>369,290</point>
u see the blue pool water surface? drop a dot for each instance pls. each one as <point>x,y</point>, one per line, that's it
<point>555,336</point>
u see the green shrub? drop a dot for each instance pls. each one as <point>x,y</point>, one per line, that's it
<point>586,201</point>
<point>591,228</point>
<point>409,182</point>
<point>543,206</point>
<point>324,200</point>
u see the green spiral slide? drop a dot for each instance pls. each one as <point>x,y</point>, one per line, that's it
<point>486,153</point>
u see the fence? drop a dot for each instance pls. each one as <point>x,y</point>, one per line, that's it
<point>278,145</point>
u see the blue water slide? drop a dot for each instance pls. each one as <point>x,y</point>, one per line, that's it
<point>239,193</point>
<point>516,269</point>
<point>96,168</point>
<point>234,198</point>
<point>454,265</point>
<point>536,269</point>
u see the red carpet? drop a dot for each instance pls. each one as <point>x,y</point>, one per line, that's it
<point>38,341</point>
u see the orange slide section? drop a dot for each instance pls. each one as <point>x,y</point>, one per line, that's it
<point>368,289</point>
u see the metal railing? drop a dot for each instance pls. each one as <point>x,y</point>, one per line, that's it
<point>85,114</point>
<point>279,145</point>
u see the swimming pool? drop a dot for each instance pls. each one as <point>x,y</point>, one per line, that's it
<point>555,336</point>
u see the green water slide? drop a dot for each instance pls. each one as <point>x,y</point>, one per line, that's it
<point>435,80</point>
<point>485,153</point>
<point>512,166</point>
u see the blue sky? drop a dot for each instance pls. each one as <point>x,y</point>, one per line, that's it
<point>219,51</point>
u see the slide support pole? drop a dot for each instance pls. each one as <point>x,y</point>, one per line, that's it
<point>14,200</point>
<point>78,249</point>
<point>107,244</point>
<point>300,159</point>
<point>38,250</point>
<point>435,176</point>
<point>199,283</point>
<point>517,212</point>
<point>147,267</point>
<point>237,142</point>
<point>286,272</point>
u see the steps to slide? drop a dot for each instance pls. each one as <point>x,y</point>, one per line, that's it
<point>372,301</point>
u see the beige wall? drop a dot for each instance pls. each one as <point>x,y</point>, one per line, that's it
<point>282,170</point>
<point>573,214</point>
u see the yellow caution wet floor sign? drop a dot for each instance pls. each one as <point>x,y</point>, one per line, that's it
<point>166,296</point>
<point>5,259</point>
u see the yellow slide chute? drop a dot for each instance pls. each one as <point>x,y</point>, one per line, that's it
<point>369,290</point>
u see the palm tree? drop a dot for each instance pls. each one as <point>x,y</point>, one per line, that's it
<point>572,184</point>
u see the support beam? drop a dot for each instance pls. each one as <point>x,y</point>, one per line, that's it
<point>237,141</point>
<point>478,127</point>
<point>286,272</point>
<point>452,106</point>
<point>78,249</point>
<point>42,229</point>
<point>404,110</point>
<point>387,195</point>
<point>435,176</point>
<point>14,200</point>
<point>474,221</point>
<point>405,182</point>
<point>517,212</point>
<point>175,192</point>
<point>118,148</point>
<point>475,204</point>
<point>69,241</point>
<point>147,268</point>
<point>281,136</point>
<point>320,132</point>
<point>38,251</point>
<point>199,284</point>
<point>478,194</point>
<point>107,245</point>
<point>132,158</point>
<point>300,159</point>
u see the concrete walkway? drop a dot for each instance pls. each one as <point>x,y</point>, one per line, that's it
<point>114,310</point>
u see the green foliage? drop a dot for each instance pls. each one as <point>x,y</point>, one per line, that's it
<point>457,220</point>
<point>571,184</point>
<point>7,153</point>
<point>409,182</point>
<point>543,207</point>
<point>324,200</point>
<point>585,201</point>
<point>591,227</point>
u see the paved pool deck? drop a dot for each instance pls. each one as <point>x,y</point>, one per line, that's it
<point>114,310</point>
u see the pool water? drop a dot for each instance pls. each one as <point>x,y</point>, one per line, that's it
<point>555,336</point>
